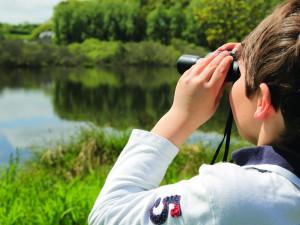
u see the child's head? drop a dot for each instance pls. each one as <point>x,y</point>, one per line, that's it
<point>271,55</point>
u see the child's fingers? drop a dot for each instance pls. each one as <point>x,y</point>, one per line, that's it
<point>210,69</point>
<point>228,46</point>
<point>219,75</point>
<point>201,64</point>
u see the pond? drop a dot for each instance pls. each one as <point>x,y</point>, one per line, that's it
<point>40,107</point>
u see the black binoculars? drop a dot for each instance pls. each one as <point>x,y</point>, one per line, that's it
<point>187,61</point>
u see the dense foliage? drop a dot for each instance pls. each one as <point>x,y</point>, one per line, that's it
<point>131,32</point>
<point>75,21</point>
<point>91,52</point>
<point>203,22</point>
<point>227,20</point>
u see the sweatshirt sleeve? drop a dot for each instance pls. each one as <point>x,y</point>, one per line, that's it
<point>132,196</point>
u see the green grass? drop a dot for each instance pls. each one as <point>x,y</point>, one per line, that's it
<point>35,197</point>
<point>60,185</point>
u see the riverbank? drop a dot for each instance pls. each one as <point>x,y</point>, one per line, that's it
<point>93,52</point>
<point>60,185</point>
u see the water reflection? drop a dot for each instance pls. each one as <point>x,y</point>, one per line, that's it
<point>47,104</point>
<point>126,98</point>
<point>27,118</point>
<point>117,106</point>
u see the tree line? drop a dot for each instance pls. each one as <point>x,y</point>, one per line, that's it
<point>14,31</point>
<point>202,22</point>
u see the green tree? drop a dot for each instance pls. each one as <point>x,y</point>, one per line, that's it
<point>158,24</point>
<point>120,18</point>
<point>71,19</point>
<point>74,20</point>
<point>193,31</point>
<point>221,21</point>
<point>165,23</point>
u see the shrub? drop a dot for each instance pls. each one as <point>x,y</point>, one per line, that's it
<point>92,52</point>
<point>96,51</point>
<point>148,53</point>
<point>185,47</point>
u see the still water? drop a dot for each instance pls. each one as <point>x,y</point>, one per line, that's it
<point>42,107</point>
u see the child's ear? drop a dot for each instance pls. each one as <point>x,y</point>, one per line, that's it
<point>264,105</point>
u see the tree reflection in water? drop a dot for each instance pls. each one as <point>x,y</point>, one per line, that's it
<point>118,97</point>
<point>135,99</point>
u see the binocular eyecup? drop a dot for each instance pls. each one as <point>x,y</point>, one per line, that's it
<point>187,61</point>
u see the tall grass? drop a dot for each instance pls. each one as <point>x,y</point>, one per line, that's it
<point>60,185</point>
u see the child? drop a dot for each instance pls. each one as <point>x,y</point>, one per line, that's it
<point>262,186</point>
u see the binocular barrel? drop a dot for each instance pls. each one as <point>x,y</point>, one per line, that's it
<point>187,61</point>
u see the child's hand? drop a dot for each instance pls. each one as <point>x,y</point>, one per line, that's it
<point>199,89</point>
<point>197,96</point>
<point>230,47</point>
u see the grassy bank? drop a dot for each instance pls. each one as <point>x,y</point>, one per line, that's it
<point>60,185</point>
<point>93,52</point>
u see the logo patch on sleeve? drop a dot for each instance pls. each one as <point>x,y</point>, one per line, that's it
<point>161,218</point>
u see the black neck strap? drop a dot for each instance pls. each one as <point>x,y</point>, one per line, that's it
<point>227,133</point>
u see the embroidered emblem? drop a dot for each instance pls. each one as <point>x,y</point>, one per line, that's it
<point>163,216</point>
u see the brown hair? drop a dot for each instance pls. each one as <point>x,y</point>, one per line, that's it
<point>271,55</point>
